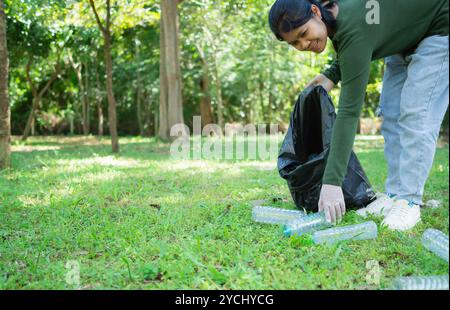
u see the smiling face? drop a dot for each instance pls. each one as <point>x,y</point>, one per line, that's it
<point>311,36</point>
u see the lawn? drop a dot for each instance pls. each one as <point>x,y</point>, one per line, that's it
<point>141,220</point>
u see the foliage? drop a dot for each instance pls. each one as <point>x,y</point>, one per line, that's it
<point>257,77</point>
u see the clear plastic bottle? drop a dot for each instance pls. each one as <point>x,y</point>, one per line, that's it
<point>437,242</point>
<point>363,231</point>
<point>275,215</point>
<point>433,204</point>
<point>307,224</point>
<point>421,283</point>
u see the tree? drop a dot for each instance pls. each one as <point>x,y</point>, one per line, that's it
<point>171,105</point>
<point>5,114</point>
<point>129,21</point>
<point>80,55</point>
<point>98,98</point>
<point>35,38</point>
<point>38,93</point>
<point>106,31</point>
<point>205,100</point>
<point>139,92</point>
<point>78,68</point>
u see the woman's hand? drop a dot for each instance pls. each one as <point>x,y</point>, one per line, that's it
<point>322,80</point>
<point>332,202</point>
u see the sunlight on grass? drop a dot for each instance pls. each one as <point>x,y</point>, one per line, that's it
<point>31,148</point>
<point>188,222</point>
<point>101,161</point>
<point>205,166</point>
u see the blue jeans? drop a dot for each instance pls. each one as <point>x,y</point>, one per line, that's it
<point>413,103</point>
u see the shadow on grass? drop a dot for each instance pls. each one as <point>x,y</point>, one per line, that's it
<point>167,213</point>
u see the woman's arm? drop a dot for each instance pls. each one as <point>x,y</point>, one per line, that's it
<point>355,67</point>
<point>328,78</point>
<point>333,72</point>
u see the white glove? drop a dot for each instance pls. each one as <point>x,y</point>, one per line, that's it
<point>332,202</point>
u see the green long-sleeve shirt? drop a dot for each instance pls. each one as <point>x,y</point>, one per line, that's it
<point>402,25</point>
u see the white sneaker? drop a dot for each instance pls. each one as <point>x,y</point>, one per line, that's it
<point>403,215</point>
<point>380,207</point>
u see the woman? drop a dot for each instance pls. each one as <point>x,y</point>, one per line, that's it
<point>412,36</point>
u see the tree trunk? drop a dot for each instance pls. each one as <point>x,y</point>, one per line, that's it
<point>30,125</point>
<point>5,112</point>
<point>83,99</point>
<point>218,93</point>
<point>86,112</point>
<point>33,123</point>
<point>99,100</point>
<point>112,118</point>
<point>149,112</point>
<point>171,108</point>
<point>106,31</point>
<point>139,92</point>
<point>213,41</point>
<point>205,100</point>
<point>37,97</point>
<point>139,112</point>
<point>78,68</point>
<point>163,125</point>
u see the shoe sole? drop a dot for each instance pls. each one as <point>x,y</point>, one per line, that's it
<point>402,229</point>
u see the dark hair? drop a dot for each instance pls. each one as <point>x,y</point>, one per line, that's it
<point>286,15</point>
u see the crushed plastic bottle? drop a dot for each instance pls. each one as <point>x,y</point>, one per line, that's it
<point>363,231</point>
<point>433,204</point>
<point>275,215</point>
<point>307,224</point>
<point>421,283</point>
<point>437,242</point>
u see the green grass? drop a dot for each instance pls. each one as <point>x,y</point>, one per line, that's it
<point>140,220</point>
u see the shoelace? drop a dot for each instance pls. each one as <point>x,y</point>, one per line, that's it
<point>381,198</point>
<point>400,210</point>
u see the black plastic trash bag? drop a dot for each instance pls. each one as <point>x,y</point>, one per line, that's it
<point>304,152</point>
